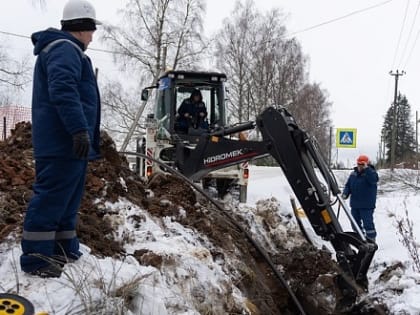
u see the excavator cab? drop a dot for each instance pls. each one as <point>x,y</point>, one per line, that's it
<point>176,86</point>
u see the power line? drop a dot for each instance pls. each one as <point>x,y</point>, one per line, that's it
<point>290,34</point>
<point>410,32</point>
<point>339,18</point>
<point>105,50</point>
<point>412,49</point>
<point>28,37</point>
<point>400,36</point>
<point>14,34</point>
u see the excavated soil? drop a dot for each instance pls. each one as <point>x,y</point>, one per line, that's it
<point>306,269</point>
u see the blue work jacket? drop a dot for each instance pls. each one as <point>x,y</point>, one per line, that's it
<point>362,188</point>
<point>65,97</point>
<point>194,110</point>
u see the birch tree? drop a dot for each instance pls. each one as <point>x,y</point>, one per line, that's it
<point>151,27</point>
<point>234,57</point>
<point>311,110</point>
<point>153,36</point>
<point>263,66</point>
<point>266,67</point>
<point>13,73</point>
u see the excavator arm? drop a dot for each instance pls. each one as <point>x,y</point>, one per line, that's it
<point>299,158</point>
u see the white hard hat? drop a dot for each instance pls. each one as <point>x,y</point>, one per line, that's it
<point>76,10</point>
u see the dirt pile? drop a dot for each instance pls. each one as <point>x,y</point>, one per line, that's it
<point>16,176</point>
<point>107,179</point>
<point>110,178</point>
<point>102,184</point>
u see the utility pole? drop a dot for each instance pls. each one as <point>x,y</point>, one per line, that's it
<point>380,156</point>
<point>330,148</point>
<point>394,117</point>
<point>417,140</point>
<point>383,147</point>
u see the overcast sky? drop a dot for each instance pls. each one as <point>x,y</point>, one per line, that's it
<point>350,58</point>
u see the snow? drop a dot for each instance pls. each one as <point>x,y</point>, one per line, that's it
<point>193,281</point>
<point>396,194</point>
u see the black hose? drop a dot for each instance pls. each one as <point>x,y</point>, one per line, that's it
<point>232,220</point>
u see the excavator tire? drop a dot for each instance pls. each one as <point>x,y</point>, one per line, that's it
<point>243,192</point>
<point>222,186</point>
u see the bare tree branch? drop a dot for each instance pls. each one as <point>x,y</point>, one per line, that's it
<point>12,72</point>
<point>41,3</point>
<point>150,27</point>
<point>265,68</point>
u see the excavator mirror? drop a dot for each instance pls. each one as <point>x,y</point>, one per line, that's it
<point>145,95</point>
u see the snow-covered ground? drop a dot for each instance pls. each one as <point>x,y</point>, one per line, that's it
<point>193,278</point>
<point>397,194</point>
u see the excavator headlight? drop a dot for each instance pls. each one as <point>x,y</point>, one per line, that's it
<point>214,139</point>
<point>149,171</point>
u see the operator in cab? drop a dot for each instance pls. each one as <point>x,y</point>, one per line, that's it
<point>192,114</point>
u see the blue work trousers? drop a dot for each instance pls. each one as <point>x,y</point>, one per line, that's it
<point>50,223</point>
<point>364,219</point>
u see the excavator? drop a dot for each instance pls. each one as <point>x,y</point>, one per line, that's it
<point>196,154</point>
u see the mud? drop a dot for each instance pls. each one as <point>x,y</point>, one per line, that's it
<point>309,271</point>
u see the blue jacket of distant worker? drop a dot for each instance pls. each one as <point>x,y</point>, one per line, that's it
<point>362,188</point>
<point>68,102</point>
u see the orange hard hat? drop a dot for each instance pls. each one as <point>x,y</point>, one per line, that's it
<point>362,159</point>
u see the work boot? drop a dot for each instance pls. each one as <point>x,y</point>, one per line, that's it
<point>373,239</point>
<point>48,271</point>
<point>62,260</point>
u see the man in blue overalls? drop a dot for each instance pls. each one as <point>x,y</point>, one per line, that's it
<point>65,135</point>
<point>362,186</point>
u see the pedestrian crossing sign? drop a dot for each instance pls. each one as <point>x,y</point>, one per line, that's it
<point>346,137</point>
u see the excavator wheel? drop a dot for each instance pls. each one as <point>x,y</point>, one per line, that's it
<point>222,186</point>
<point>243,192</point>
<point>12,304</point>
<point>206,183</point>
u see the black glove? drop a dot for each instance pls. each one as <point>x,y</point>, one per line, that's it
<point>81,144</point>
